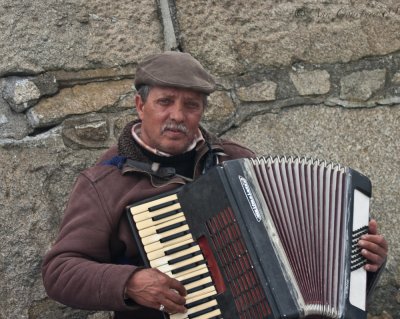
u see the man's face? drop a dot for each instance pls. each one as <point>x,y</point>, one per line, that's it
<point>170,118</point>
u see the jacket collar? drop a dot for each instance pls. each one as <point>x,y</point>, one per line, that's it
<point>138,162</point>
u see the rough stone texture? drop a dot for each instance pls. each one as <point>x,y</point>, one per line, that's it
<point>91,131</point>
<point>366,141</point>
<point>263,91</point>
<point>50,35</point>
<point>21,93</point>
<point>36,178</point>
<point>235,36</point>
<point>219,112</point>
<point>46,83</point>
<point>12,125</point>
<point>396,78</point>
<point>360,86</point>
<point>70,78</point>
<point>384,315</point>
<point>79,99</point>
<point>101,315</point>
<point>311,82</point>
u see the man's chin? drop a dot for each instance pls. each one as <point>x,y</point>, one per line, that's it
<point>175,148</point>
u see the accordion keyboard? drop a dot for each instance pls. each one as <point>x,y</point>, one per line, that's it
<point>170,247</point>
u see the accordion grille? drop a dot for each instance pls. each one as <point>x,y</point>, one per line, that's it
<point>249,298</point>
<point>306,199</point>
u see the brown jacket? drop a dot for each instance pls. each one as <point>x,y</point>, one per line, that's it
<point>94,254</point>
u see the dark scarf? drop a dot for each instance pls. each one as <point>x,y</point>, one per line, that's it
<point>182,163</point>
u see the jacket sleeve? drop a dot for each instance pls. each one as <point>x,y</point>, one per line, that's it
<point>235,150</point>
<point>77,271</point>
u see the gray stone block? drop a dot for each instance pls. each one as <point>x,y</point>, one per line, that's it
<point>91,131</point>
<point>49,35</point>
<point>20,93</point>
<point>261,91</point>
<point>313,82</point>
<point>235,36</point>
<point>12,125</point>
<point>361,86</point>
<point>80,99</point>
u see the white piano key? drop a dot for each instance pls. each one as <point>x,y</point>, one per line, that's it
<point>145,207</point>
<point>150,222</point>
<point>203,306</point>
<point>198,283</point>
<point>148,215</point>
<point>157,237</point>
<point>208,315</point>
<point>198,308</point>
<point>164,246</point>
<point>153,229</point>
<point>197,271</point>
<point>198,295</point>
<point>161,252</point>
<point>164,260</point>
<point>186,273</point>
<point>167,268</point>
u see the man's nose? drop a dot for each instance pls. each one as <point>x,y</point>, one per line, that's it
<point>177,112</point>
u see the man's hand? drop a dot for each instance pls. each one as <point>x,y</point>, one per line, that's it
<point>374,247</point>
<point>152,288</point>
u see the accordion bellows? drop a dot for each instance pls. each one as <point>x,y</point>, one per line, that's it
<point>267,237</point>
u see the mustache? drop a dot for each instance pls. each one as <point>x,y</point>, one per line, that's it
<point>175,127</point>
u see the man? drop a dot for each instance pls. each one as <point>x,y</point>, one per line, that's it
<point>94,262</point>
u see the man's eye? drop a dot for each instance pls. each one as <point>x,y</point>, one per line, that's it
<point>193,105</point>
<point>164,101</point>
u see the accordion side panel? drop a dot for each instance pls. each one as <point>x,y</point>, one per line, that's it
<point>359,192</point>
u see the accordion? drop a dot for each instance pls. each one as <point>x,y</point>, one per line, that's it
<point>266,237</point>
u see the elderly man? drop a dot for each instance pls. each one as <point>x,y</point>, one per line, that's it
<point>94,263</point>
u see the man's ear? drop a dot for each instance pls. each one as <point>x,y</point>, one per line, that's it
<point>139,105</point>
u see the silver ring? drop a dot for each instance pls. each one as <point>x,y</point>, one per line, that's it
<point>162,307</point>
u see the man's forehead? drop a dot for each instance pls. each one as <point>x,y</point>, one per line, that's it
<point>173,91</point>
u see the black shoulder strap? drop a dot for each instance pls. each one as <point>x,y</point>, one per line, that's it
<point>161,172</point>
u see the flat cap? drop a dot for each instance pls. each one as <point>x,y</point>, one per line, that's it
<point>174,69</point>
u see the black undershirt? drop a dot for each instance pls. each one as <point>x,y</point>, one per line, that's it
<point>183,163</point>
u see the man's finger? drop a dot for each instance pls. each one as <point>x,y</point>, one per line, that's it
<point>374,242</point>
<point>373,227</point>
<point>176,285</point>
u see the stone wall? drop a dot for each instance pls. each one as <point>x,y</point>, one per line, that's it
<point>311,78</point>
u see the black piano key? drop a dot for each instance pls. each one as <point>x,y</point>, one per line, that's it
<point>174,236</point>
<point>202,312</point>
<point>187,267</point>
<point>163,205</point>
<point>195,278</point>
<point>199,302</point>
<point>167,214</point>
<point>185,257</point>
<point>201,287</point>
<point>178,249</point>
<point>215,317</point>
<point>170,227</point>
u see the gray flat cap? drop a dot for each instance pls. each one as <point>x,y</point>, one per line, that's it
<point>174,69</point>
